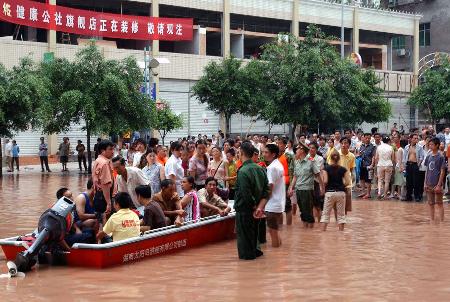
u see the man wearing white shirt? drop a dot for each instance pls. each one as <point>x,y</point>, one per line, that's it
<point>173,168</point>
<point>276,204</point>
<point>8,154</point>
<point>128,179</point>
<point>384,161</point>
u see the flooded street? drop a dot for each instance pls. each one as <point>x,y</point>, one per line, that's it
<point>388,252</point>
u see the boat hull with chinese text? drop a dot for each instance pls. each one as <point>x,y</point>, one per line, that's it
<point>154,243</point>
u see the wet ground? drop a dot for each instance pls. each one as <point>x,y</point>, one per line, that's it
<point>388,252</point>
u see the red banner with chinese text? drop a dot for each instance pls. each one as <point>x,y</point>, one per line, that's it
<point>90,23</point>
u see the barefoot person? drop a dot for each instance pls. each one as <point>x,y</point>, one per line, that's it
<point>336,179</point>
<point>250,200</point>
<point>434,178</point>
<point>277,198</point>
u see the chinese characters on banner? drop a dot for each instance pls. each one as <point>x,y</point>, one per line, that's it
<point>90,23</point>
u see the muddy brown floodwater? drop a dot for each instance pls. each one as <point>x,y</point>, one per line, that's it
<point>388,252</point>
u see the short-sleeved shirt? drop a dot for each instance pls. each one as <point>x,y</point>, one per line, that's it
<point>435,164</point>
<point>367,152</point>
<point>15,151</point>
<point>154,216</point>
<point>319,162</point>
<point>215,200</point>
<point>305,170</point>
<point>200,167</point>
<point>232,172</point>
<point>275,177</point>
<point>64,149</point>
<point>348,161</point>
<point>173,167</point>
<point>336,176</point>
<point>123,225</point>
<point>167,204</point>
<point>102,171</point>
<point>8,149</point>
<point>43,149</point>
<point>135,178</point>
<point>80,149</point>
<point>384,152</point>
<point>137,158</point>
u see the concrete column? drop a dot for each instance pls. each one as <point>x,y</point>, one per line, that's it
<point>202,41</point>
<point>155,44</point>
<point>51,34</point>
<point>295,26</point>
<point>384,58</point>
<point>237,46</point>
<point>355,38</point>
<point>226,28</point>
<point>416,49</point>
<point>52,141</point>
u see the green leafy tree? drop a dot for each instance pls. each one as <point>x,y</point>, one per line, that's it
<point>22,90</point>
<point>309,84</point>
<point>104,94</point>
<point>223,88</point>
<point>432,96</point>
<point>166,120</point>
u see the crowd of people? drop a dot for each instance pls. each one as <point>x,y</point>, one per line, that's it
<point>143,186</point>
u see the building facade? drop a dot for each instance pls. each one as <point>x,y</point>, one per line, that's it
<point>433,25</point>
<point>223,28</point>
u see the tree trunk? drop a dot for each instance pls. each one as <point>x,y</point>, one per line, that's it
<point>163,135</point>
<point>1,159</point>
<point>294,128</point>
<point>227,124</point>
<point>88,145</point>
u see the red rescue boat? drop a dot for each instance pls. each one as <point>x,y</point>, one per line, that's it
<point>151,244</point>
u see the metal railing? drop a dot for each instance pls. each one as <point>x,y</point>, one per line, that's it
<point>396,81</point>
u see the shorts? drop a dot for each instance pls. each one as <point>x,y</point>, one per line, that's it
<point>63,159</point>
<point>273,220</point>
<point>364,174</point>
<point>434,198</point>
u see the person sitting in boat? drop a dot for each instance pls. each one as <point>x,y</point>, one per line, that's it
<point>189,202</point>
<point>170,203</point>
<point>75,234</point>
<point>154,217</point>
<point>210,202</point>
<point>124,223</point>
<point>85,216</point>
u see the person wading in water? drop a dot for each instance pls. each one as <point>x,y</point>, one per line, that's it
<point>251,197</point>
